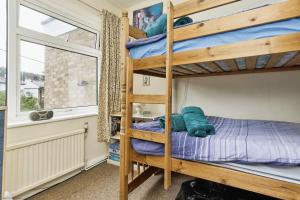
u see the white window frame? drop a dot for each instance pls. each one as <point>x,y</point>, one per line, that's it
<point>18,34</point>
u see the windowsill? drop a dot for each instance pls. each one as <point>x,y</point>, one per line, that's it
<point>27,122</point>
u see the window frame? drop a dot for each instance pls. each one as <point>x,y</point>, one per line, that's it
<point>4,107</point>
<point>18,34</point>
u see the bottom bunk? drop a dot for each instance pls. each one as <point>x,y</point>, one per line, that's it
<point>235,140</point>
<point>255,155</point>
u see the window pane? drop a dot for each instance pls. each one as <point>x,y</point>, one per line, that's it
<point>2,52</point>
<point>52,78</point>
<point>42,23</point>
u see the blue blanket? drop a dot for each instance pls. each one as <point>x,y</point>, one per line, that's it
<point>241,141</point>
<point>158,46</point>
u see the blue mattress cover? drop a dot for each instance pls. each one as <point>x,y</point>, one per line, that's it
<point>155,48</point>
<point>239,141</point>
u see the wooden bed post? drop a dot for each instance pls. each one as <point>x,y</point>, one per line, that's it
<point>123,137</point>
<point>168,104</point>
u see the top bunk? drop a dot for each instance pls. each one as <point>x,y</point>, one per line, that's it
<point>264,39</point>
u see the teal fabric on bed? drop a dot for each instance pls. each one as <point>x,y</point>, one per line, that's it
<point>196,122</point>
<point>183,21</point>
<point>158,27</point>
<point>177,122</point>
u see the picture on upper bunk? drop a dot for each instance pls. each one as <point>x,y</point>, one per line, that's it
<point>145,17</point>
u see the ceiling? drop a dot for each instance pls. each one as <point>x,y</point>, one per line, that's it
<point>124,3</point>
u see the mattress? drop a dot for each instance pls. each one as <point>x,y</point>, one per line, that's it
<point>285,173</point>
<point>237,141</point>
<point>151,47</point>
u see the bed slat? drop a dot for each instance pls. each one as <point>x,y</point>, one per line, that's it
<point>191,68</point>
<point>251,63</point>
<point>263,70</point>
<point>151,73</point>
<point>214,67</point>
<point>196,68</point>
<point>182,70</point>
<point>294,61</point>
<point>275,58</point>
<point>232,65</point>
<point>194,6</point>
<point>272,13</point>
<point>200,67</point>
<point>176,71</point>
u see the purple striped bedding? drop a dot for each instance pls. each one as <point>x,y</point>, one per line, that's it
<point>239,141</point>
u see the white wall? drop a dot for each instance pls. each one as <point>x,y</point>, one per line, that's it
<point>103,4</point>
<point>157,87</point>
<point>94,151</point>
<point>271,96</point>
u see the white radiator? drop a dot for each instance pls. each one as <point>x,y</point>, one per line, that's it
<point>31,164</point>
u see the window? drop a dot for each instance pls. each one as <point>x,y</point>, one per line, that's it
<point>54,63</point>
<point>36,21</point>
<point>3,52</point>
<point>53,78</point>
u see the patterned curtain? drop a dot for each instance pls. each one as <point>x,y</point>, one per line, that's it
<point>109,87</point>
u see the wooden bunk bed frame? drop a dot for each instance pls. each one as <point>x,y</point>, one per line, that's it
<point>188,64</point>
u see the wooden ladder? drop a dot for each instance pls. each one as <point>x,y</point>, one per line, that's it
<point>152,99</point>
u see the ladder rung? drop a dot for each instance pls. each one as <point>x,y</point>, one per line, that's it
<point>150,99</point>
<point>148,136</point>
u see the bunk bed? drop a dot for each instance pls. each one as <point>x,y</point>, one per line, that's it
<point>261,54</point>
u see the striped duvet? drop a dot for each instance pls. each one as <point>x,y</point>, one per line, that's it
<point>240,141</point>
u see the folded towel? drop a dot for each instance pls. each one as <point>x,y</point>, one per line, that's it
<point>196,122</point>
<point>177,122</point>
<point>183,21</point>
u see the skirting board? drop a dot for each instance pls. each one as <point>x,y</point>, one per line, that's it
<point>94,162</point>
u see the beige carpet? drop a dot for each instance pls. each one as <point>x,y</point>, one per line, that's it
<point>102,183</point>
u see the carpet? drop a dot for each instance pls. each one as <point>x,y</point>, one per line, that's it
<point>102,183</point>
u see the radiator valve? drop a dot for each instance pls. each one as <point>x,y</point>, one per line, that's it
<point>86,128</point>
